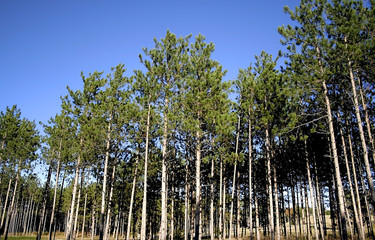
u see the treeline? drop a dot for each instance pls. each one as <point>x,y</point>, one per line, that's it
<point>168,153</point>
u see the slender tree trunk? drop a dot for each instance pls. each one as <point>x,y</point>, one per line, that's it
<point>250,177</point>
<point>198,224</point>
<point>238,212</point>
<point>84,217</point>
<point>340,188</point>
<point>321,211</point>
<point>164,183</point>
<point>212,198</point>
<point>52,221</point>
<point>187,193</point>
<point>93,219</point>
<point>104,191</point>
<point>234,180</point>
<point>221,216</point>
<point>172,208</point>
<point>269,188</point>
<point>277,213</point>
<point>257,226</point>
<point>362,135</point>
<point>5,205</point>
<point>312,199</point>
<point>224,206</point>
<point>358,221</point>
<point>130,215</point>
<point>74,192</point>
<point>106,231</point>
<point>144,203</point>
<point>368,124</point>
<point>44,207</point>
<point>12,204</point>
<point>75,229</point>
<point>59,205</point>
<point>358,199</point>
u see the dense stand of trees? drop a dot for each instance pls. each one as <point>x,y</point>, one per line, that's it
<point>173,151</point>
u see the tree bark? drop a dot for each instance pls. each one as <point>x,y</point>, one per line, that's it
<point>234,180</point>
<point>312,198</point>
<point>130,215</point>
<point>197,219</point>
<point>52,221</point>
<point>144,203</point>
<point>104,191</point>
<point>74,192</point>
<point>164,183</point>
<point>11,207</point>
<point>106,231</point>
<point>45,199</point>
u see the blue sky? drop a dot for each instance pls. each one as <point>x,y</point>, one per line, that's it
<point>44,45</point>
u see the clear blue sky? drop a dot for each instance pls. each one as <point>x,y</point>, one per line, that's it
<point>44,45</point>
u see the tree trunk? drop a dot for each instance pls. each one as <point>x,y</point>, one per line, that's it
<point>221,216</point>
<point>45,199</point>
<point>358,199</point>
<point>75,229</point>
<point>234,180</point>
<point>358,221</point>
<point>250,177</point>
<point>106,231</point>
<point>340,189</point>
<point>257,226</point>
<point>5,205</point>
<point>212,197</point>
<point>74,192</point>
<point>164,183</point>
<point>52,221</point>
<point>362,135</point>
<point>197,226</point>
<point>130,215</point>
<point>269,188</point>
<point>277,213</point>
<point>104,191</point>
<point>144,203</point>
<point>312,199</point>
<point>187,193</point>
<point>84,217</point>
<point>12,204</point>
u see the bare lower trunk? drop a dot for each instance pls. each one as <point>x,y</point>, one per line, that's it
<point>197,221</point>
<point>269,187</point>
<point>74,192</point>
<point>340,189</point>
<point>84,217</point>
<point>12,204</point>
<point>312,199</point>
<point>221,202</point>
<point>75,229</point>
<point>164,183</point>
<point>5,204</point>
<point>358,199</point>
<point>52,221</point>
<point>362,135</point>
<point>277,215</point>
<point>234,181</point>
<point>104,190</point>
<point>45,198</point>
<point>212,200</point>
<point>257,226</point>
<point>144,203</point>
<point>106,231</point>
<point>250,179</point>
<point>354,203</point>
<point>187,193</point>
<point>132,199</point>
